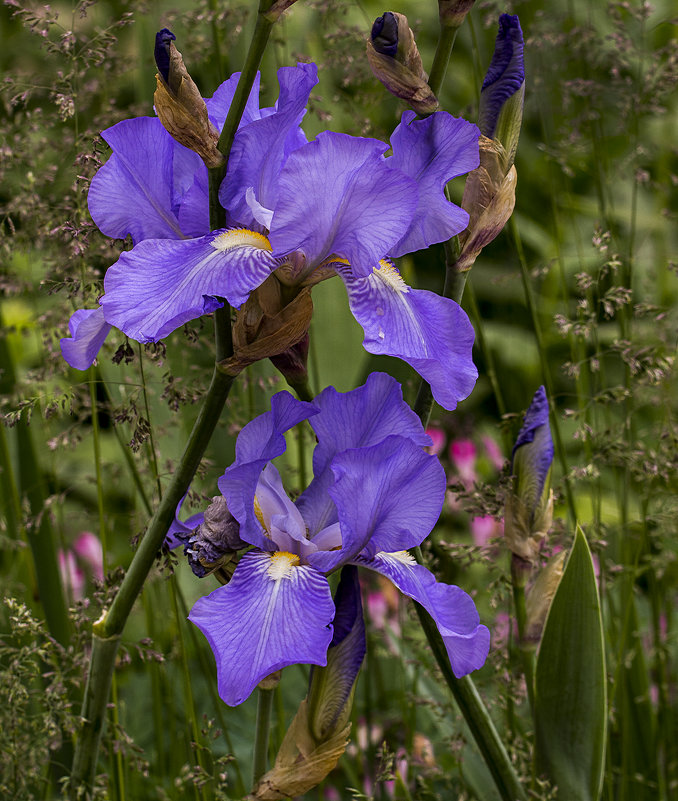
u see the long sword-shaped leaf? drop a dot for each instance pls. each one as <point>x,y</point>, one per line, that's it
<point>570,698</point>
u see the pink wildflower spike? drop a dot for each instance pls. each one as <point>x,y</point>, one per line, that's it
<point>88,547</point>
<point>463,454</point>
<point>438,437</point>
<point>72,576</point>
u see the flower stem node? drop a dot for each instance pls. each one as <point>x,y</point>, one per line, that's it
<point>179,105</point>
<point>394,58</point>
<point>453,12</point>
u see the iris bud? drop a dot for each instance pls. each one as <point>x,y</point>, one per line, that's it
<point>277,8</point>
<point>394,59</point>
<point>292,362</point>
<point>179,104</point>
<point>318,735</point>
<point>529,506</point>
<point>453,12</point>
<point>502,96</point>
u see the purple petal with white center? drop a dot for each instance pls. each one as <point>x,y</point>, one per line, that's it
<point>273,613</point>
<point>433,151</point>
<point>161,284</point>
<point>360,418</point>
<point>338,196</point>
<point>388,497</point>
<point>88,330</point>
<point>133,192</point>
<point>466,640</point>
<point>260,441</point>
<point>259,150</point>
<point>220,102</point>
<point>429,332</point>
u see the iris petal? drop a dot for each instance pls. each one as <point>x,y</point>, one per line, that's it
<point>272,613</point>
<point>360,418</point>
<point>467,642</point>
<point>260,441</point>
<point>337,196</point>
<point>161,284</point>
<point>433,151</point>
<point>133,192</point>
<point>388,497</point>
<point>88,330</point>
<point>429,332</point>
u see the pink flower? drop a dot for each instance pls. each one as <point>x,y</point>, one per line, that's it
<point>72,577</point>
<point>463,455</point>
<point>88,548</point>
<point>493,452</point>
<point>438,437</point>
<point>484,529</point>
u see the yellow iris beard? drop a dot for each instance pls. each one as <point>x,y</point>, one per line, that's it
<point>240,238</point>
<point>281,565</point>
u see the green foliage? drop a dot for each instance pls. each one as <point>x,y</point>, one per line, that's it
<point>570,685</point>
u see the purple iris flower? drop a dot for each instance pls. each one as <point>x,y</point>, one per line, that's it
<point>375,493</point>
<point>305,210</point>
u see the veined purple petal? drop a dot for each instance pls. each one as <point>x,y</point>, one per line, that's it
<point>194,211</point>
<point>433,151</point>
<point>88,330</point>
<point>429,332</point>
<point>388,497</point>
<point>133,193</point>
<point>260,149</point>
<point>161,284</point>
<point>274,612</point>
<point>220,102</point>
<point>337,196</point>
<point>360,418</point>
<point>260,441</point>
<point>467,642</point>
<point>505,75</point>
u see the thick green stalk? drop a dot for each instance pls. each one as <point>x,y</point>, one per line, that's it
<point>442,57</point>
<point>475,714</point>
<point>263,725</point>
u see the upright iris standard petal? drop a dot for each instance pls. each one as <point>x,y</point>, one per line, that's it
<point>160,284</point>
<point>259,149</point>
<point>433,151</point>
<point>274,612</point>
<point>429,332</point>
<point>260,441</point>
<point>388,497</point>
<point>505,76</point>
<point>466,640</point>
<point>133,192</point>
<point>219,104</point>
<point>88,330</point>
<point>360,418</point>
<point>337,196</point>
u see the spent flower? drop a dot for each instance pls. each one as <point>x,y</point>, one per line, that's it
<point>375,494</point>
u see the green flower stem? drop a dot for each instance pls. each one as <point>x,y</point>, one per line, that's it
<point>527,653</point>
<point>255,53</point>
<point>546,373</point>
<point>475,713</point>
<point>442,57</point>
<point>108,629</point>
<point>263,725</point>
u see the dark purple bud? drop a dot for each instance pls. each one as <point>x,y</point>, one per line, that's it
<point>162,51</point>
<point>505,76</point>
<point>385,34</point>
<point>213,543</point>
<point>533,452</point>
